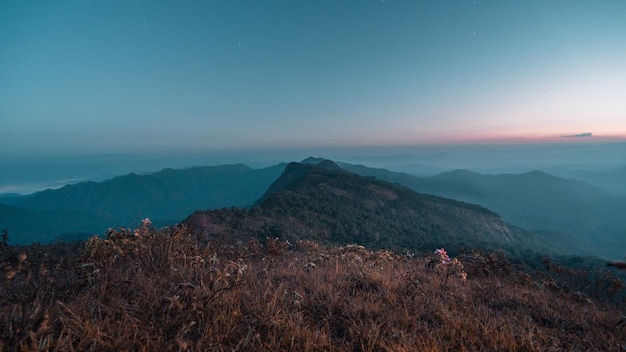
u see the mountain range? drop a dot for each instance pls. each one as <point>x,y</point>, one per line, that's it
<point>563,210</point>
<point>323,202</point>
<point>166,197</point>
<point>338,202</point>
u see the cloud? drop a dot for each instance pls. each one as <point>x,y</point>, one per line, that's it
<point>579,135</point>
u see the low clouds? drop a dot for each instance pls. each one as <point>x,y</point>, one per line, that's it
<point>579,135</point>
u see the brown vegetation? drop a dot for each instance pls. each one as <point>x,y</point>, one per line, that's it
<point>148,290</point>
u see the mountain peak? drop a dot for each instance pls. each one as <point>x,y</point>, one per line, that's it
<point>537,173</point>
<point>313,160</point>
<point>324,202</point>
<point>303,174</point>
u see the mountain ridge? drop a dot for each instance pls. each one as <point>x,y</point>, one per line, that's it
<point>320,202</point>
<point>588,216</point>
<point>166,196</point>
<point>529,201</point>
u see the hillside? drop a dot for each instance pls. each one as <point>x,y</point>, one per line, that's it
<point>326,203</point>
<point>541,202</point>
<point>570,213</point>
<point>609,178</point>
<point>166,197</point>
<point>166,290</point>
<point>26,226</point>
<point>569,216</point>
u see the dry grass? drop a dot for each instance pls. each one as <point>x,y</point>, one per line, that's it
<point>148,290</point>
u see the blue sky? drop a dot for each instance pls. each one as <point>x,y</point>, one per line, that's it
<point>123,76</point>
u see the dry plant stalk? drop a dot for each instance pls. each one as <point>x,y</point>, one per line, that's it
<point>165,290</point>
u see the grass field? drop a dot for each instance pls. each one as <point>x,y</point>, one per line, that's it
<point>148,290</point>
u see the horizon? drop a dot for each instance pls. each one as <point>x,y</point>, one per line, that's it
<point>27,174</point>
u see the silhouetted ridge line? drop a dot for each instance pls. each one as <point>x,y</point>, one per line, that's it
<point>324,202</point>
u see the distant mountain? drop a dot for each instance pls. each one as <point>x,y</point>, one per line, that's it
<point>11,198</point>
<point>166,197</point>
<point>612,179</point>
<point>538,201</point>
<point>573,212</point>
<point>321,201</point>
<point>24,226</point>
<point>402,178</point>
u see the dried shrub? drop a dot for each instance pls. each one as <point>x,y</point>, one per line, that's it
<point>148,289</point>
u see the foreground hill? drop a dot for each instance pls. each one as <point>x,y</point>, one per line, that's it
<point>571,214</point>
<point>326,203</point>
<point>166,197</point>
<point>148,290</point>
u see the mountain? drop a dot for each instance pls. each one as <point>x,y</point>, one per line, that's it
<point>327,203</point>
<point>569,215</point>
<point>10,198</point>
<point>166,197</point>
<point>24,226</point>
<point>609,178</point>
<point>568,212</point>
<point>543,202</point>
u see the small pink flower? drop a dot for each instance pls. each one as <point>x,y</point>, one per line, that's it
<point>445,259</point>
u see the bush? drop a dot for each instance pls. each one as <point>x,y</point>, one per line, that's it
<point>164,290</point>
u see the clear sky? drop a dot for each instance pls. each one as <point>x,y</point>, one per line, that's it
<point>118,76</point>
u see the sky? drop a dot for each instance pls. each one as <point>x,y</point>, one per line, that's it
<point>121,76</point>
